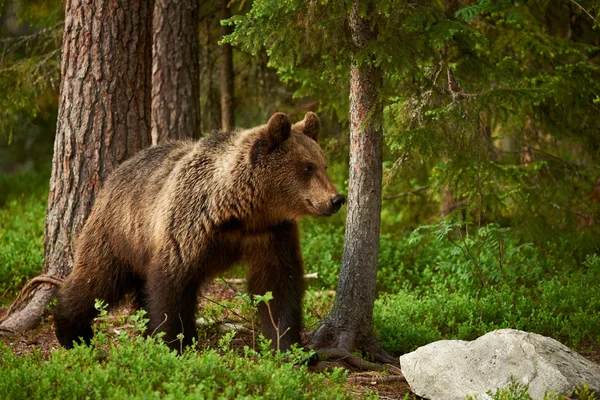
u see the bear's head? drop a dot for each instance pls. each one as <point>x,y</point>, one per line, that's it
<point>292,168</point>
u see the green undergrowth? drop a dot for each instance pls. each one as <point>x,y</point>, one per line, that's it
<point>516,391</point>
<point>23,198</point>
<point>124,364</point>
<point>446,281</point>
<point>453,281</point>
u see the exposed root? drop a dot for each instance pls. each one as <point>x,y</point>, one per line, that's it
<point>344,356</point>
<point>328,337</point>
<point>26,291</point>
<point>381,356</point>
<point>39,291</point>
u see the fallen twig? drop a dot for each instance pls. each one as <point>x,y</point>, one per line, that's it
<point>374,379</point>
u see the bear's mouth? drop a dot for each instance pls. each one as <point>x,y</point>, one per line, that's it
<point>320,212</point>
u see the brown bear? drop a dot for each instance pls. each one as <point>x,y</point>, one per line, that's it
<point>177,214</point>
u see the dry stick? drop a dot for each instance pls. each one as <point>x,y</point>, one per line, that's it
<point>6,291</point>
<point>225,307</point>
<point>27,289</point>
<point>159,325</point>
<point>234,313</point>
<point>314,275</point>
<point>35,35</point>
<point>583,9</point>
<point>274,325</point>
<point>376,379</point>
<point>233,289</point>
<point>182,334</point>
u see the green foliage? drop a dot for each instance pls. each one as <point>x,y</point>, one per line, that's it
<point>317,304</point>
<point>513,391</point>
<point>322,247</point>
<point>516,391</point>
<point>23,198</point>
<point>502,95</point>
<point>454,281</point>
<point>137,366</point>
<point>30,64</point>
<point>464,286</point>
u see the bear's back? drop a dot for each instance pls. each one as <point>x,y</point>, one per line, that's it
<point>123,211</point>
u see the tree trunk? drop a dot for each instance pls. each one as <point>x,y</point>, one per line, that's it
<point>348,326</point>
<point>175,71</point>
<point>227,78</point>
<point>103,118</point>
<point>210,118</point>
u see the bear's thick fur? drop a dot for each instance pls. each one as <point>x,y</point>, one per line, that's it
<point>177,214</point>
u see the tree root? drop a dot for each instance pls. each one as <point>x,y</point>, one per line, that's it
<point>337,355</point>
<point>350,338</point>
<point>374,379</point>
<point>40,290</point>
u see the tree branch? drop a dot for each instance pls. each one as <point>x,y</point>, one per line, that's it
<point>413,191</point>
<point>583,9</point>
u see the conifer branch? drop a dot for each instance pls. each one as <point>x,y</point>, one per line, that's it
<point>583,9</point>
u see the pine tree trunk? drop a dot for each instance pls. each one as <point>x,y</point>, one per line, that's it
<point>348,326</point>
<point>103,118</point>
<point>227,77</point>
<point>175,71</point>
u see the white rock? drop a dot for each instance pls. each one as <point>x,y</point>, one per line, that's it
<point>453,369</point>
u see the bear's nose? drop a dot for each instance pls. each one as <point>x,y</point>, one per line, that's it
<point>337,201</point>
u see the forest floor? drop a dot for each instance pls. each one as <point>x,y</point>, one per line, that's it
<point>42,339</point>
<point>360,383</point>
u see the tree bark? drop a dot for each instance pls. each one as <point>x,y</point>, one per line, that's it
<point>227,77</point>
<point>348,326</point>
<point>210,114</point>
<point>175,70</point>
<point>103,118</point>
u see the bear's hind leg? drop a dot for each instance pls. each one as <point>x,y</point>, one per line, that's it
<point>75,309</point>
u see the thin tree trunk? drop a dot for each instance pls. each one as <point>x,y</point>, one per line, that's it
<point>103,118</point>
<point>175,70</point>
<point>227,77</point>
<point>446,201</point>
<point>348,326</point>
<point>210,112</point>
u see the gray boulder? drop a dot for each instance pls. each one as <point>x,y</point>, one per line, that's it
<point>453,369</point>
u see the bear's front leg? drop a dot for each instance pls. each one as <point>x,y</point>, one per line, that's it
<point>172,293</point>
<point>276,266</point>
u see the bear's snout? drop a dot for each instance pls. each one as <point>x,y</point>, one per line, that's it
<point>336,202</point>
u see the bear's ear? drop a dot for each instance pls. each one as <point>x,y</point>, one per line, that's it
<point>277,131</point>
<point>279,128</point>
<point>310,126</point>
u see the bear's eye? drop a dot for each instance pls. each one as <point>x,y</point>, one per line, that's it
<point>308,170</point>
